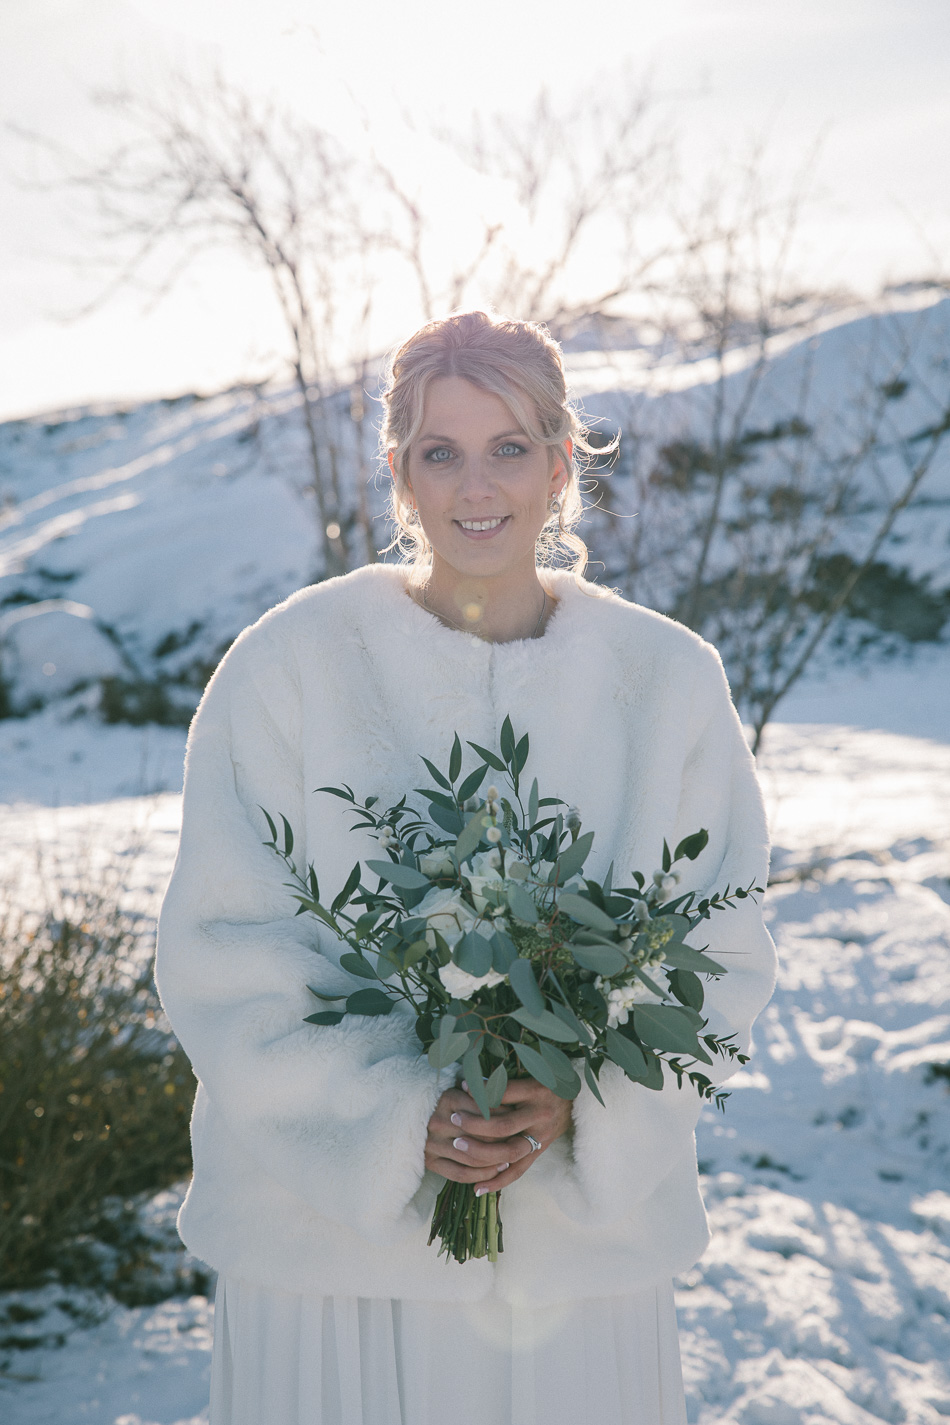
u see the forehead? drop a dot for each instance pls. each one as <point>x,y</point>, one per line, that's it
<point>456,407</point>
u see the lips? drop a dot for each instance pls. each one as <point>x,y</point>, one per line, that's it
<point>483,528</point>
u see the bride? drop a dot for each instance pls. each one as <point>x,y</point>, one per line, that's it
<point>318,1151</point>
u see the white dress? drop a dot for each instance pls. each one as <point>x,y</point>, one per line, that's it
<point>285,1359</point>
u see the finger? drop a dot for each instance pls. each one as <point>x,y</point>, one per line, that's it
<point>460,1173</point>
<point>504,1125</point>
<point>470,1150</point>
<point>507,1177</point>
<point>526,1091</point>
<point>456,1101</point>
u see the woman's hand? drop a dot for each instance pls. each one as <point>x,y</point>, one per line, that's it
<point>493,1153</point>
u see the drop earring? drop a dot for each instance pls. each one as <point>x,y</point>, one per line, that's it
<point>554,505</point>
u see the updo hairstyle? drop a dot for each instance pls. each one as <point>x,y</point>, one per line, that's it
<point>521,363</point>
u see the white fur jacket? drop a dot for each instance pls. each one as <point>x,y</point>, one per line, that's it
<point>308,1141</point>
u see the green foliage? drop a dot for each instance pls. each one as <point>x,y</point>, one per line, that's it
<point>891,600</point>
<point>519,958</point>
<point>141,701</point>
<point>95,1102</point>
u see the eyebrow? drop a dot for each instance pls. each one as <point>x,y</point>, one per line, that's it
<point>505,435</point>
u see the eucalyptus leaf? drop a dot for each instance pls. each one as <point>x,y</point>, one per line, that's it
<point>627,1055</point>
<point>473,954</point>
<point>666,1027</point>
<point>472,1069</point>
<point>330,999</point>
<point>571,861</point>
<point>604,960</point>
<point>492,758</point>
<point>504,950</point>
<point>688,988</point>
<point>356,965</point>
<point>446,818</point>
<point>691,846</point>
<point>471,835</point>
<point>592,1083</point>
<point>537,1067</point>
<point>585,913</point>
<point>533,803</point>
<point>270,825</point>
<point>325,1016</point>
<point>288,836</point>
<point>506,741</point>
<point>455,760</point>
<point>370,1002</point>
<point>437,775</point>
<point>522,905</point>
<point>569,1085</point>
<point>407,878</point>
<point>568,1017</point>
<point>522,981</point>
<point>346,894</point>
<point>545,1023</point>
<point>686,957</point>
<point>495,1086</point>
<point>472,783</point>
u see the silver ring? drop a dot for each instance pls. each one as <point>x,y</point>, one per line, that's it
<point>535,1145</point>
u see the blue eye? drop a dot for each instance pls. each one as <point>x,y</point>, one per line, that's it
<point>511,447</point>
<point>438,455</point>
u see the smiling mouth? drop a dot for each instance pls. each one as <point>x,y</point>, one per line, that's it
<point>483,526</point>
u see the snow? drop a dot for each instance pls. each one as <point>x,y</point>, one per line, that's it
<point>825,1294</point>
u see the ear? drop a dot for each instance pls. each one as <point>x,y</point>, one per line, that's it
<point>561,473</point>
<point>392,463</point>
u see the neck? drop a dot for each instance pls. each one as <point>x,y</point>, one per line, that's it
<point>500,609</point>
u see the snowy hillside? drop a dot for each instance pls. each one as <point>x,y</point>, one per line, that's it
<point>135,545</point>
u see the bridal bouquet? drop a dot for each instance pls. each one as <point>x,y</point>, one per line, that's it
<point>513,962</point>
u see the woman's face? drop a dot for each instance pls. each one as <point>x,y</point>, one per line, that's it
<point>481,487</point>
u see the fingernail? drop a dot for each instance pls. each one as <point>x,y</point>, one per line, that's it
<point>460,1144</point>
<point>503,1167</point>
<point>465,1086</point>
<point>480,1192</point>
<point>457,1119</point>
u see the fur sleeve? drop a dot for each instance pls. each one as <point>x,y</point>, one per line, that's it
<point>337,1115</point>
<point>622,1153</point>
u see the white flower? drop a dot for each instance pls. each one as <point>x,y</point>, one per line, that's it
<point>622,998</point>
<point>641,912</point>
<point>447,913</point>
<point>666,881</point>
<point>493,835</point>
<point>463,985</point>
<point>483,878</point>
<point>435,864</point>
<point>492,793</point>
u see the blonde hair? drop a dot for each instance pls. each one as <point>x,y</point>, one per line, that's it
<point>521,363</point>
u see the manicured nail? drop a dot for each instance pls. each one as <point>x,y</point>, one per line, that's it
<point>457,1119</point>
<point>503,1167</point>
<point>480,1192</point>
<point>465,1086</point>
<point>461,1144</point>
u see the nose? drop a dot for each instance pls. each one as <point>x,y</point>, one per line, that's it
<point>476,484</point>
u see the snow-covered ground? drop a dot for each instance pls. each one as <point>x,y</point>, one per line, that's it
<point>825,1295</point>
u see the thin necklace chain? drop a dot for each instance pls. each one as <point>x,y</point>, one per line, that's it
<point>458,626</point>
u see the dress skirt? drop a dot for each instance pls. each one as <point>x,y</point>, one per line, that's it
<point>283,1359</point>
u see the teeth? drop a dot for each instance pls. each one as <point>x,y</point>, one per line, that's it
<point>483,524</point>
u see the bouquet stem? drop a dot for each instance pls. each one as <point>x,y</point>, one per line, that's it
<point>466,1225</point>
